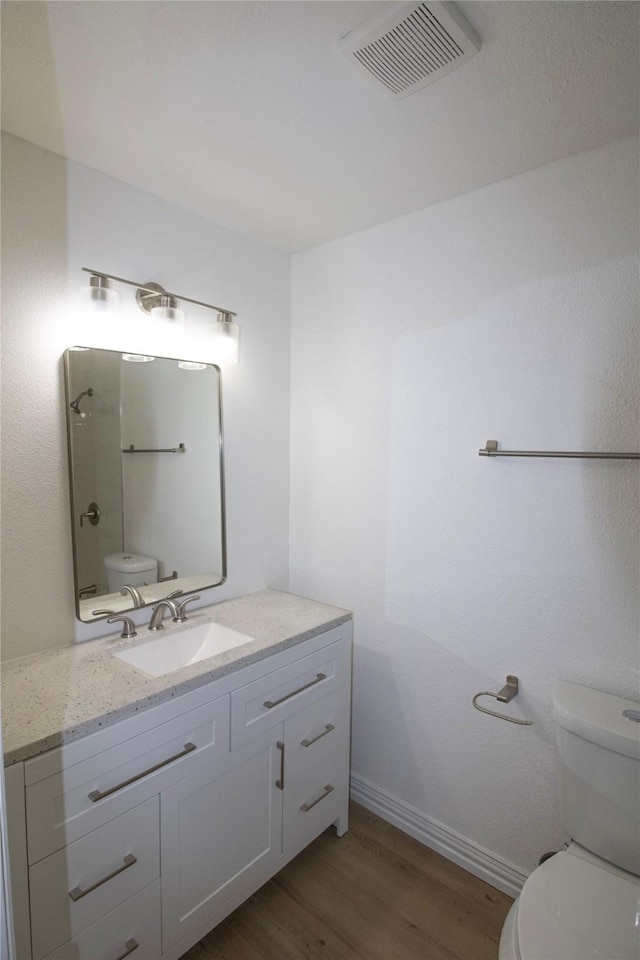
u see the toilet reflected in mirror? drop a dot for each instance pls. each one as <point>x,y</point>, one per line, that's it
<point>129,570</point>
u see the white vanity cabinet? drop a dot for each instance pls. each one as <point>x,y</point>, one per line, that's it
<point>143,836</point>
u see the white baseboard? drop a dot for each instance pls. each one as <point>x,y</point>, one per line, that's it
<point>474,858</point>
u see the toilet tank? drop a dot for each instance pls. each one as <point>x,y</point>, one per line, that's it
<point>131,569</point>
<point>598,739</point>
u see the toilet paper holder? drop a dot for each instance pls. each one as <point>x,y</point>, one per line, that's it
<point>506,695</point>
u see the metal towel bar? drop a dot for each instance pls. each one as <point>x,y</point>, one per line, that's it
<point>133,449</point>
<point>508,692</point>
<point>490,449</point>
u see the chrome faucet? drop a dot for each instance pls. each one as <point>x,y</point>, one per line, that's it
<point>135,595</point>
<point>158,614</point>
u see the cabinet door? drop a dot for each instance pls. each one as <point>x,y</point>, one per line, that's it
<point>220,828</point>
<point>316,790</point>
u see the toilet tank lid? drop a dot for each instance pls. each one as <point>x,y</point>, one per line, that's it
<point>598,717</point>
<point>129,562</point>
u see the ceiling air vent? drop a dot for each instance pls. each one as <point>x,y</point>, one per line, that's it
<point>410,45</point>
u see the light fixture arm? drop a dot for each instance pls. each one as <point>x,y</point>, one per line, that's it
<point>153,292</point>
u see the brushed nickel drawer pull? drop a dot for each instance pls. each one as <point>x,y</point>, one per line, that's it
<point>78,894</point>
<point>305,807</point>
<point>274,703</point>
<point>280,782</point>
<point>307,743</point>
<point>98,795</point>
<point>131,945</point>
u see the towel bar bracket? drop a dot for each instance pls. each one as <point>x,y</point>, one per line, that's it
<point>509,691</point>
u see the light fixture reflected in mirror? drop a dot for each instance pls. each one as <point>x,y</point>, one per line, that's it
<point>161,305</point>
<point>191,365</point>
<point>137,358</point>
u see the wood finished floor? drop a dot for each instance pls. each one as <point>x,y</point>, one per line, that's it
<point>375,894</point>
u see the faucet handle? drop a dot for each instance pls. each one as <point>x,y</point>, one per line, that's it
<point>92,515</point>
<point>180,616</point>
<point>128,627</point>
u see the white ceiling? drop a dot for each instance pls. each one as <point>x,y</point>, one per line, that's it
<point>247,113</point>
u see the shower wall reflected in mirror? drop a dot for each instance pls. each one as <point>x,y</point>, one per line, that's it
<point>146,471</point>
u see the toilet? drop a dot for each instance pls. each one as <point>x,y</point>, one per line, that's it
<point>584,902</point>
<point>129,569</point>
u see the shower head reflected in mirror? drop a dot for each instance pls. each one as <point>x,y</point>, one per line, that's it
<point>75,404</point>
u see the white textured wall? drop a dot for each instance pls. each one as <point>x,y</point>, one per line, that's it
<point>58,217</point>
<point>509,314</point>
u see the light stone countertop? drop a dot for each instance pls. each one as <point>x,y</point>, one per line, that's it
<point>61,695</point>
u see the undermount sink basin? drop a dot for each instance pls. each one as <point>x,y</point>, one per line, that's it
<point>171,651</point>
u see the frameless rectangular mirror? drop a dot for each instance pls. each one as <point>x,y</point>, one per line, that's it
<point>147,478</point>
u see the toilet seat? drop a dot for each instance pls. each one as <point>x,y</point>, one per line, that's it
<point>573,909</point>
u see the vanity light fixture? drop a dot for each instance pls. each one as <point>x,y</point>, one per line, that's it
<point>98,299</point>
<point>162,305</point>
<point>168,311</point>
<point>226,338</point>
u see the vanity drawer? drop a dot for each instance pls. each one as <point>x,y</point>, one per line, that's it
<point>70,804</point>
<point>75,887</point>
<point>132,929</point>
<point>266,702</point>
<point>317,743</point>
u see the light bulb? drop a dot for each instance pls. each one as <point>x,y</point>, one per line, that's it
<point>98,299</point>
<point>226,338</point>
<point>168,311</point>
